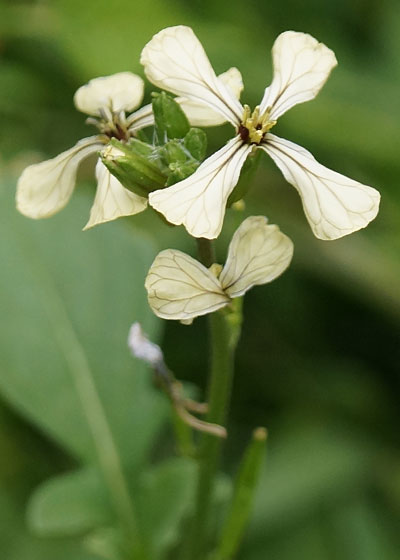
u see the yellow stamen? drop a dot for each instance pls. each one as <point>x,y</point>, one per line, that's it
<point>256,126</point>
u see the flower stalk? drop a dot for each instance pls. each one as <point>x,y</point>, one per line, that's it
<point>221,377</point>
<point>222,346</point>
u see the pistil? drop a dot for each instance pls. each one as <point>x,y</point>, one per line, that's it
<point>254,126</point>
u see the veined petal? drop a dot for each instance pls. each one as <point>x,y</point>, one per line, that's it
<point>258,253</point>
<point>200,114</point>
<point>179,287</point>
<point>199,201</point>
<point>334,204</point>
<point>175,60</point>
<point>141,118</point>
<point>301,67</point>
<point>118,92</point>
<point>112,200</point>
<point>45,188</point>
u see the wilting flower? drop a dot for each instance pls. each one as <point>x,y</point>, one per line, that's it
<point>179,287</point>
<point>142,347</point>
<point>334,205</point>
<point>45,188</point>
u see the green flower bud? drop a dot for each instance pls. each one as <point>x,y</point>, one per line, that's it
<point>179,171</point>
<point>174,151</point>
<point>169,120</point>
<point>196,143</point>
<point>136,167</point>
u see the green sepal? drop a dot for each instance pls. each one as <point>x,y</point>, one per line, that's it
<point>139,169</point>
<point>196,143</point>
<point>246,175</point>
<point>169,119</point>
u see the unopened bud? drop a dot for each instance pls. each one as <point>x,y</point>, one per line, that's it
<point>169,119</point>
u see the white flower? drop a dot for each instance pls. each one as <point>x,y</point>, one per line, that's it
<point>334,205</point>
<point>45,188</point>
<point>179,287</point>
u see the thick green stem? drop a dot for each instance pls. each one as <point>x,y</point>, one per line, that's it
<point>222,345</point>
<point>221,376</point>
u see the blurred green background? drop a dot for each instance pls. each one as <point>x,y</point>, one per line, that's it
<point>318,362</point>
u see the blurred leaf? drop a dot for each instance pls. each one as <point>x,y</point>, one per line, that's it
<point>17,544</point>
<point>165,496</point>
<point>70,297</point>
<point>69,504</point>
<point>361,533</point>
<point>308,466</point>
<point>90,40</point>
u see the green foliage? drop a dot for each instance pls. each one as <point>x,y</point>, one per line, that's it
<point>165,496</point>
<point>70,504</point>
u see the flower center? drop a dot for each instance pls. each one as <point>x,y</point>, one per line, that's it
<point>254,126</point>
<point>111,124</point>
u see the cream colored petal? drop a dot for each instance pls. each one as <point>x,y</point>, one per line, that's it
<point>179,287</point>
<point>45,188</point>
<point>258,253</point>
<point>200,114</point>
<point>112,200</point>
<point>141,118</point>
<point>334,204</point>
<point>118,92</point>
<point>175,60</point>
<point>301,67</point>
<point>199,201</point>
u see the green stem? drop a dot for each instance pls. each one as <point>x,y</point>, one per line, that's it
<point>220,382</point>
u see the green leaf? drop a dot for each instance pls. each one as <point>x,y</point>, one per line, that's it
<point>331,467</point>
<point>17,543</point>
<point>68,298</point>
<point>71,503</point>
<point>165,497</point>
<point>169,120</point>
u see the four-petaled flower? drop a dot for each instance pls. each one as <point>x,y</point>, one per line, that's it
<point>179,287</point>
<point>45,188</point>
<point>334,205</point>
